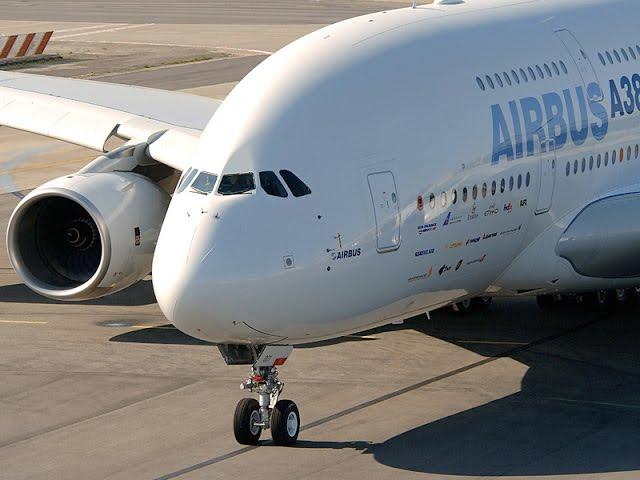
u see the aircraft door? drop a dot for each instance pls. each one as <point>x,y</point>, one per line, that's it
<point>582,62</point>
<point>547,166</point>
<point>386,208</point>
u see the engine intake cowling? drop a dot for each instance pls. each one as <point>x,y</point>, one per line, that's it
<point>87,235</point>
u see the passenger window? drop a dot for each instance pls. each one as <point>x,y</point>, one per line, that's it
<point>609,57</point>
<point>484,190</point>
<point>493,188</point>
<point>510,184</point>
<point>564,67</point>
<point>528,179</point>
<point>297,186</point>
<point>515,77</point>
<point>591,162</point>
<point>237,183</point>
<point>464,194</point>
<point>575,167</point>
<point>443,199</point>
<point>506,78</point>
<point>432,201</point>
<point>628,153</point>
<point>633,54</point>
<point>531,74</point>
<point>637,150</point>
<point>519,181</point>
<point>617,55</point>
<point>624,54</point>
<point>480,84</point>
<point>474,192</point>
<point>524,75</point>
<point>613,157</point>
<point>568,168</point>
<point>547,69</point>
<point>606,159</point>
<point>555,68</point>
<point>454,197</point>
<point>272,185</point>
<point>599,161</point>
<point>584,164</point>
<point>539,70</point>
<point>601,59</point>
<point>204,183</point>
<point>490,82</point>
<point>502,185</point>
<point>499,80</point>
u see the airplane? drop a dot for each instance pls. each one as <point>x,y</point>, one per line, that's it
<point>374,170</point>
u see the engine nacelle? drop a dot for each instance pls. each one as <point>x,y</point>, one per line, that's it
<point>86,235</point>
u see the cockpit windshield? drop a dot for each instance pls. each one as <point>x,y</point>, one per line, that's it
<point>237,183</point>
<point>204,183</point>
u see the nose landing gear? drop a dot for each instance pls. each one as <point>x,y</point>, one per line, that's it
<point>268,412</point>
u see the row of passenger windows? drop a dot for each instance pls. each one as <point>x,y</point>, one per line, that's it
<point>517,183</point>
<point>600,160</point>
<point>524,76</point>
<point>619,55</point>
<point>237,183</point>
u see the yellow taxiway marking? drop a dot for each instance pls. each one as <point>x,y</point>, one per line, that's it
<point>488,342</point>
<point>587,402</point>
<point>28,322</point>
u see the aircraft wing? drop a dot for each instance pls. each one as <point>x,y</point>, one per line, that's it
<point>89,113</point>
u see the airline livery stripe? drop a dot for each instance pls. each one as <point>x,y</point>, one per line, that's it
<point>24,45</point>
<point>8,45</point>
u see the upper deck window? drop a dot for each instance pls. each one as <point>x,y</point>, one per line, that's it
<point>297,186</point>
<point>237,183</point>
<point>272,185</point>
<point>204,183</point>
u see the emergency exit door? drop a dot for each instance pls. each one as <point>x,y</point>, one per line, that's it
<point>547,165</point>
<point>386,209</point>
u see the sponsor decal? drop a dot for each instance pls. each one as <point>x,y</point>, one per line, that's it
<point>473,240</point>
<point>345,254</point>
<point>451,219</point>
<point>508,207</point>
<point>455,245</point>
<point>492,210</point>
<point>523,202</point>
<point>422,253</point>
<point>427,227</point>
<point>459,265</point>
<point>513,230</point>
<point>477,260</point>
<point>473,214</point>
<point>424,276</point>
<point>444,269</point>
<point>420,203</point>
<point>487,236</point>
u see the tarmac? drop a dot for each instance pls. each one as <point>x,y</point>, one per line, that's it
<point>107,390</point>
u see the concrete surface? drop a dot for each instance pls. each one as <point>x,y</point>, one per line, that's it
<point>106,390</point>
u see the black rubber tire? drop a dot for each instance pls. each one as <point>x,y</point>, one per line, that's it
<point>463,307</point>
<point>279,418</point>
<point>602,300</point>
<point>482,304</point>
<point>546,303</point>
<point>242,422</point>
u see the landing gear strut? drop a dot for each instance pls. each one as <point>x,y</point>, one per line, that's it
<point>268,412</point>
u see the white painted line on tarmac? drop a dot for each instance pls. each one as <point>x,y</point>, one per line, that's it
<point>107,30</point>
<point>184,45</point>
<point>25,322</point>
<point>89,27</point>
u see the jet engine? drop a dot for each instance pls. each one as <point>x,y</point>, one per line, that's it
<point>87,235</point>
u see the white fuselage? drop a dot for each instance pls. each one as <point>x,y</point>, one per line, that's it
<point>384,117</point>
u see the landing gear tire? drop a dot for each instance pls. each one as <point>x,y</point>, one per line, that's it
<point>463,307</point>
<point>624,297</point>
<point>245,420</point>
<point>546,303</point>
<point>285,423</point>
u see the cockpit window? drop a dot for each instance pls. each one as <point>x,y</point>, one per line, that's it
<point>204,183</point>
<point>272,185</point>
<point>237,183</point>
<point>297,186</point>
<point>186,179</point>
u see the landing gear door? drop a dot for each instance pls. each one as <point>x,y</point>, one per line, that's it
<point>384,196</point>
<point>547,162</point>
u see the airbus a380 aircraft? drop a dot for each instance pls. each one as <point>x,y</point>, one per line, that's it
<point>371,171</point>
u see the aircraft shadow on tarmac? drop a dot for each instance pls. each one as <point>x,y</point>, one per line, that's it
<point>140,293</point>
<point>578,410</point>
